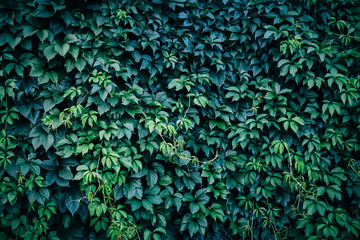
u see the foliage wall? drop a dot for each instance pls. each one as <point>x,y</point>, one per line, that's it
<point>179,119</point>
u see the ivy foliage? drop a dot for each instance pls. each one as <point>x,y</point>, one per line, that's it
<point>232,119</point>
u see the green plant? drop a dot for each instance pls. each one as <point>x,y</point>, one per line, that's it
<point>159,119</point>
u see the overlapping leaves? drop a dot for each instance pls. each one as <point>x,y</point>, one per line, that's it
<point>179,118</point>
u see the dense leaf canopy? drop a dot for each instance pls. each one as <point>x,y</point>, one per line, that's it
<point>179,119</point>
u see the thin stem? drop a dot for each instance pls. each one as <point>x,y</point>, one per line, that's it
<point>273,228</point>
<point>290,160</point>
<point>291,171</point>
<point>186,112</point>
<point>97,173</point>
<point>356,172</point>
<point>84,97</point>
<point>336,34</point>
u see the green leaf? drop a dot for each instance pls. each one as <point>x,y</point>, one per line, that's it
<point>284,70</point>
<point>62,49</point>
<point>50,52</point>
<point>193,228</point>
<point>298,120</point>
<point>293,70</point>
<point>13,42</point>
<point>44,11</point>
<point>156,236</point>
<point>321,191</point>
<point>294,126</point>
<point>286,125</point>
<point>29,31</point>
<point>72,203</point>
<point>71,38</point>
<point>309,228</point>
<point>126,161</point>
<point>268,34</point>
<point>36,71</point>
<point>66,173</point>
<point>147,234</point>
<point>74,51</point>
<point>194,207</point>
<point>147,205</point>
<point>311,209</point>
<point>69,65</point>
<point>46,140</point>
<point>49,104</point>
<point>80,64</point>
<point>43,34</point>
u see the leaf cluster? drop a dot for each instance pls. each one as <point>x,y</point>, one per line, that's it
<point>177,119</point>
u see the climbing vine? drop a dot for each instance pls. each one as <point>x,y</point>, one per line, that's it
<point>222,119</point>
